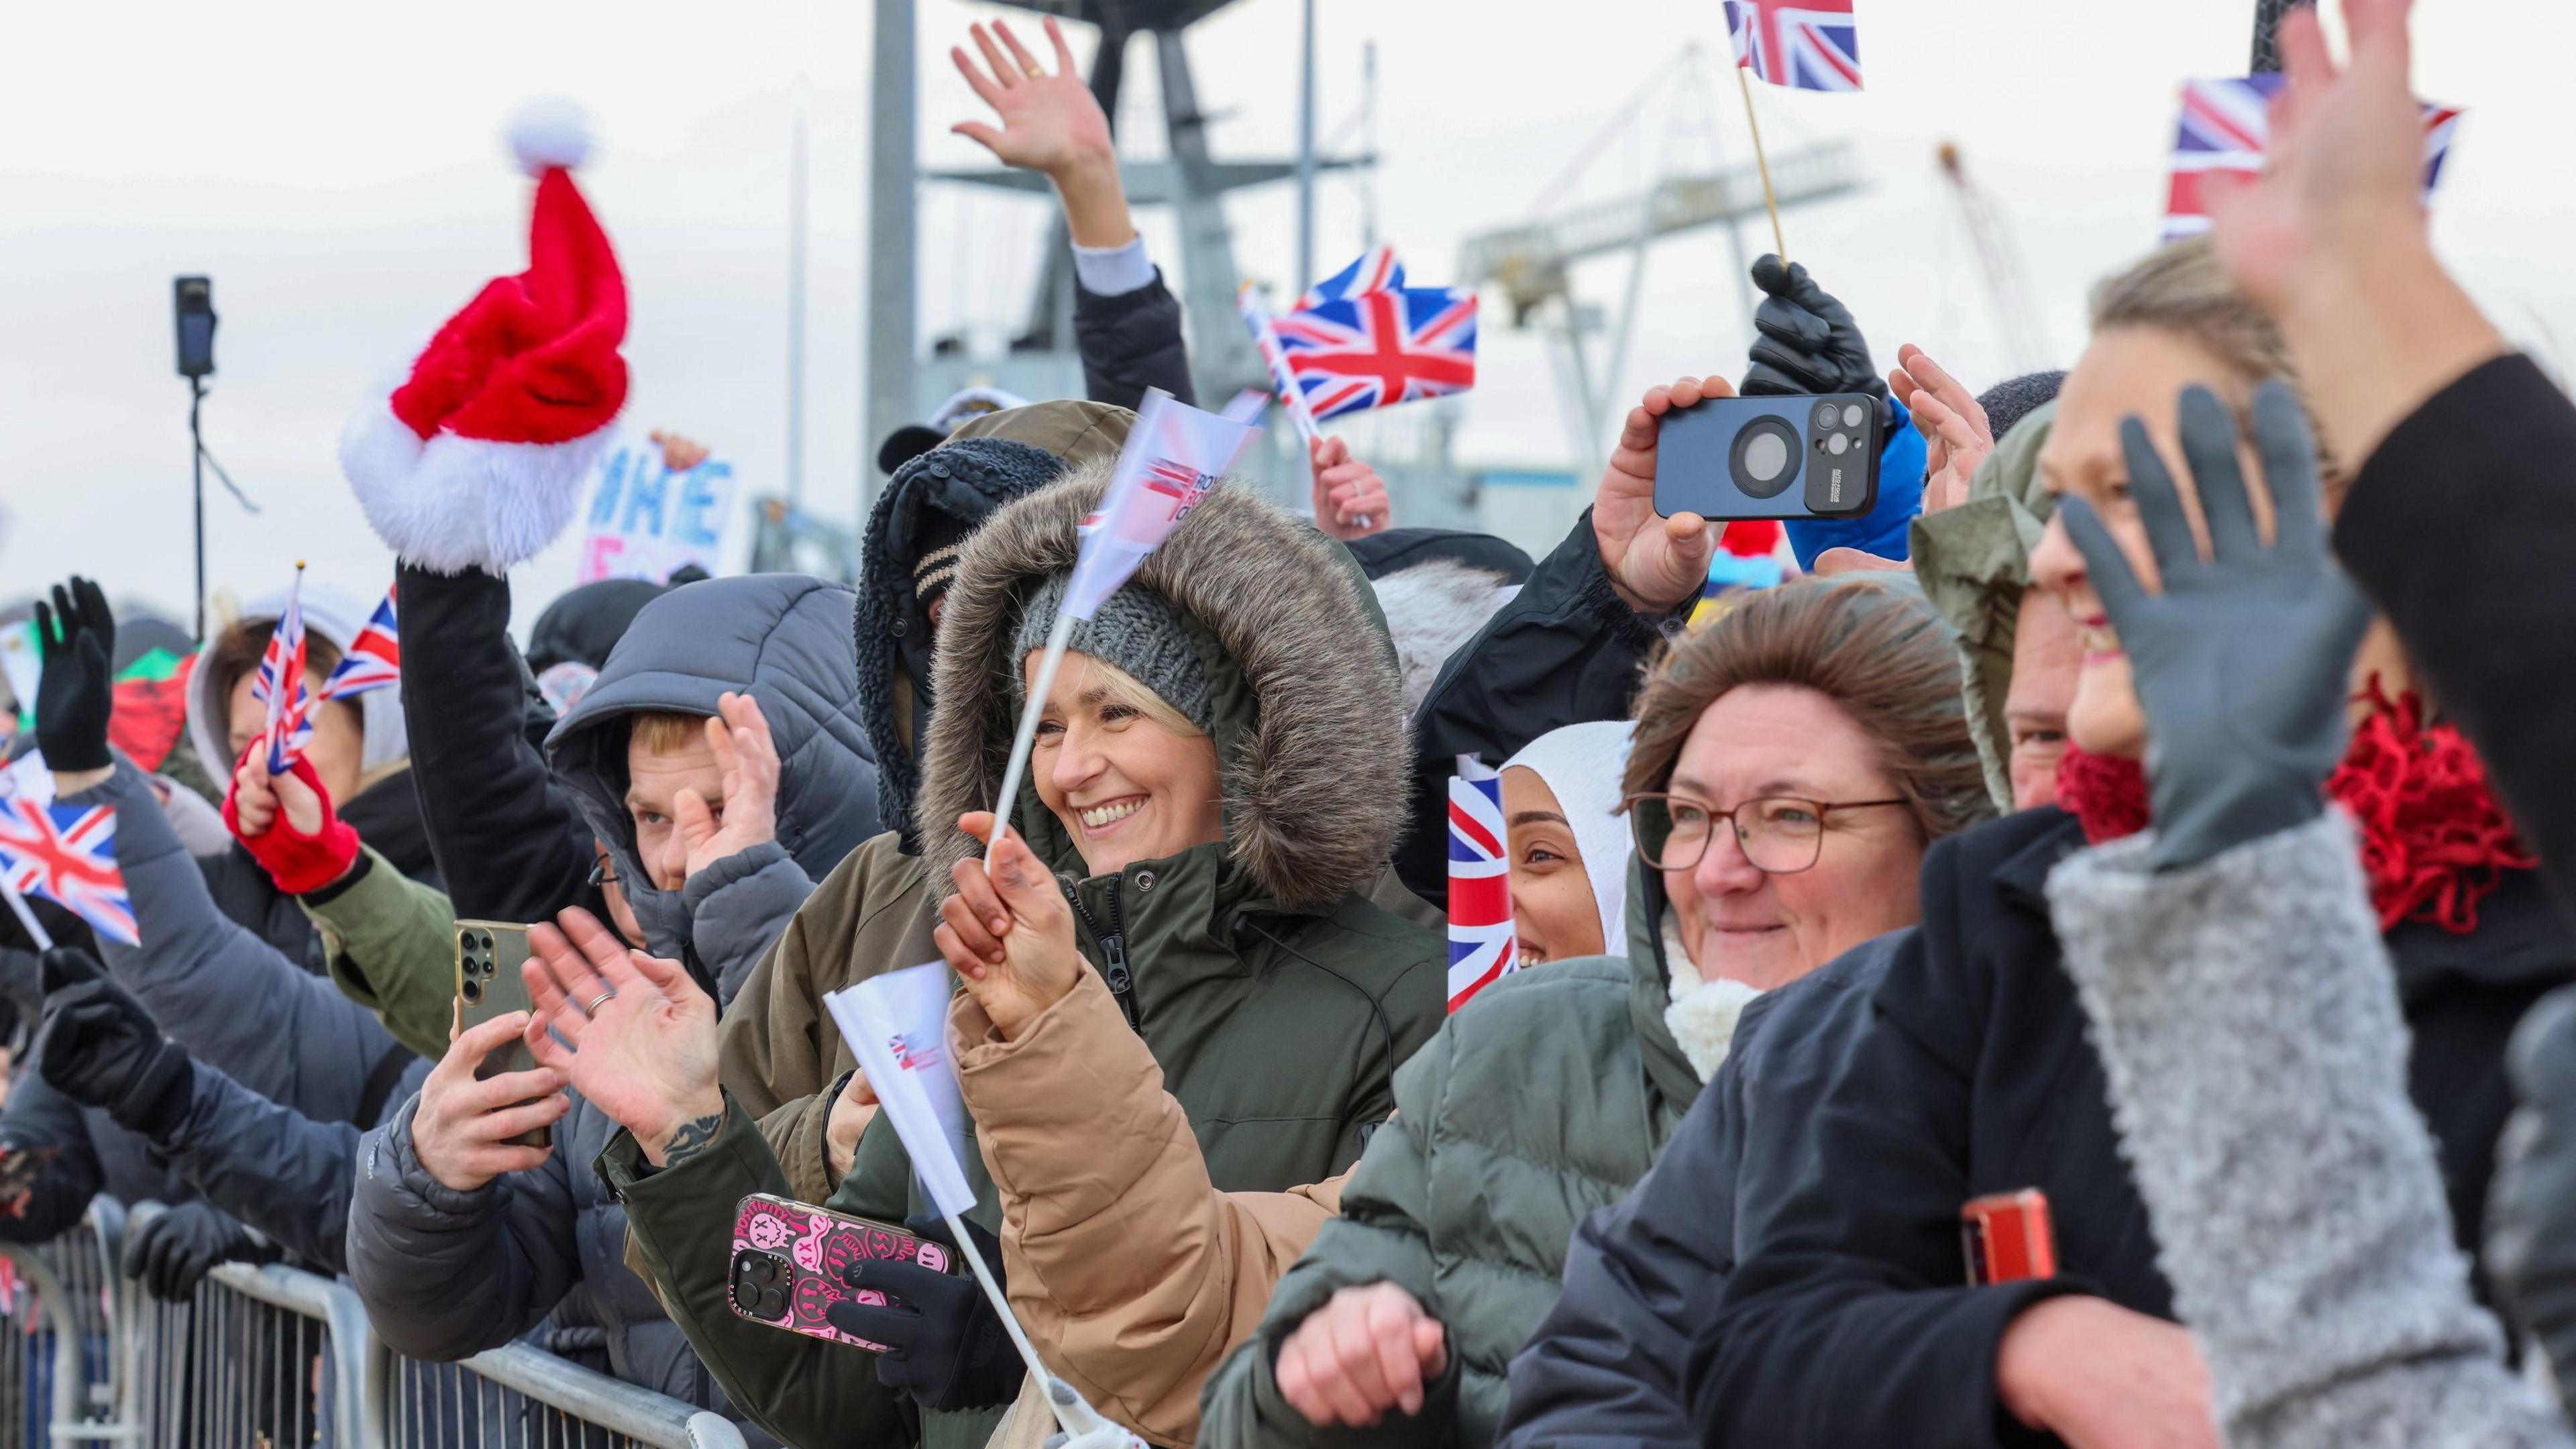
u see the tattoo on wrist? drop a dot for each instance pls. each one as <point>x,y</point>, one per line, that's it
<point>691,1138</point>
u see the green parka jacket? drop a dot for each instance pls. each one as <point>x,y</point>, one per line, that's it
<point>1548,1097</point>
<point>1276,995</point>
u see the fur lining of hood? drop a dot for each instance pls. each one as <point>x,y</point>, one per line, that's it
<point>1433,607</point>
<point>1310,737</point>
<point>1702,1013</point>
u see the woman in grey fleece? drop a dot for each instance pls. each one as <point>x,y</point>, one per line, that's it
<point>2242,999</point>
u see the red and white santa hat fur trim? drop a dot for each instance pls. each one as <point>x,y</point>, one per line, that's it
<point>479,458</point>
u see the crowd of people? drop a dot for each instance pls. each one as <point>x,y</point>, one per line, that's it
<point>2086,961</point>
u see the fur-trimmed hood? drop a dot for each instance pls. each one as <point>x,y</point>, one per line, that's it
<point>1310,731</point>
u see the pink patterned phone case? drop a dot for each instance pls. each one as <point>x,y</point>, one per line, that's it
<point>789,1258</point>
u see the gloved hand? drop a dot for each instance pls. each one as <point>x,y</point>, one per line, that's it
<point>76,638</point>
<point>2531,1209</point>
<point>101,1048</point>
<point>945,1344</point>
<point>298,861</point>
<point>1808,342</point>
<point>2242,663</point>
<point>171,1254</point>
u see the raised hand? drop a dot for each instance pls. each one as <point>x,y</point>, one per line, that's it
<point>1655,563</point>
<point>1350,499</point>
<point>2242,659</point>
<point>1367,1350</point>
<point>1956,435</point>
<point>852,1111</point>
<point>748,759</point>
<point>287,824</point>
<point>632,1032</point>
<point>1807,342</point>
<point>1008,933</point>
<point>462,1129</point>
<point>76,641</point>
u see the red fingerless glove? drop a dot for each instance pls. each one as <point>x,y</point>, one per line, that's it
<point>299,863</point>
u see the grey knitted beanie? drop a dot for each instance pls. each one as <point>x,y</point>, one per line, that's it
<point>1134,629</point>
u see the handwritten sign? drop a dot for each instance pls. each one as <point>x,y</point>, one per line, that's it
<point>647,521</point>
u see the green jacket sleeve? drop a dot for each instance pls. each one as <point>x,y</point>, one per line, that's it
<point>679,1221</point>
<point>1378,1238</point>
<point>393,951</point>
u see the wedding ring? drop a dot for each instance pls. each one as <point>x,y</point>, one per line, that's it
<point>592,1009</point>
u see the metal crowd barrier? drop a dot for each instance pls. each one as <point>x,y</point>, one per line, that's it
<point>276,1358</point>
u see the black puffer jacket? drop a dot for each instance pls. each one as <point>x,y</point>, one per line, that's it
<point>1130,342</point>
<point>1844,1322</point>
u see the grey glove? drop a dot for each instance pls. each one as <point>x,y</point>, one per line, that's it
<point>1807,343</point>
<point>2531,1211</point>
<point>2242,664</point>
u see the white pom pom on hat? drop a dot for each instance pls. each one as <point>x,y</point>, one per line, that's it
<point>548,132</point>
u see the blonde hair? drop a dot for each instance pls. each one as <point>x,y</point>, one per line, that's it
<point>1117,686</point>
<point>666,732</point>
<point>2182,289</point>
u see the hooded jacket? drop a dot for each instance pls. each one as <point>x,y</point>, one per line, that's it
<point>446,1274</point>
<point>1973,562</point>
<point>1845,1320</point>
<point>1274,993</point>
<point>1542,1100</point>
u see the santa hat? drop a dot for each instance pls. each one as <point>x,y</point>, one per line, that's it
<point>478,459</point>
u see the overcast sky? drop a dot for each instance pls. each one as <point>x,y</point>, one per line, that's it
<point>337,170</point>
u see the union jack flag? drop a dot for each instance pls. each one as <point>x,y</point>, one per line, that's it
<point>290,709</point>
<point>1813,45</point>
<point>1482,950</point>
<point>2227,126</point>
<point>67,854</point>
<point>374,660</point>
<point>1377,270</point>
<point>1353,350</point>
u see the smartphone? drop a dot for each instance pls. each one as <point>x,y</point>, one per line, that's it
<point>1769,457</point>
<point>20,1167</point>
<point>788,1259</point>
<point>488,984</point>
<point>2008,1238</point>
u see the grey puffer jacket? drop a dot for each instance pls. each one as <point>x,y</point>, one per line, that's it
<point>446,1274</point>
<point>2245,1012</point>
<point>1467,1199</point>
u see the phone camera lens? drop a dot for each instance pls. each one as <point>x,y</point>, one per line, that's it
<point>1838,444</point>
<point>1764,457</point>
<point>1852,416</point>
<point>472,990</point>
<point>747,1296</point>
<point>1825,415</point>
<point>763,1270</point>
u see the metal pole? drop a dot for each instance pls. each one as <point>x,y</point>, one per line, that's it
<point>1368,143</point>
<point>796,192</point>
<point>197,475</point>
<point>2267,33</point>
<point>893,187</point>
<point>1306,155</point>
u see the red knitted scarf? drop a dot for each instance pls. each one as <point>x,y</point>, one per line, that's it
<point>2434,842</point>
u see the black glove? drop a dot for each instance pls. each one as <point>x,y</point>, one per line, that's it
<point>101,1048</point>
<point>171,1254</point>
<point>1807,342</point>
<point>76,638</point>
<point>945,1344</point>
<point>2243,663</point>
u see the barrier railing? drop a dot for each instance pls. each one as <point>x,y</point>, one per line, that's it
<point>57,1375</point>
<point>277,1358</point>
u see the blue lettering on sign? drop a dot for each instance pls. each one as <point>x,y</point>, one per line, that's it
<point>693,527</point>
<point>644,499</point>
<point>603,504</point>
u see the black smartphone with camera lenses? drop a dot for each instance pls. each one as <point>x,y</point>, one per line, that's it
<point>488,984</point>
<point>1730,458</point>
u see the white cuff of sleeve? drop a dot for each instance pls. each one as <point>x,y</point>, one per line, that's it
<point>1113,271</point>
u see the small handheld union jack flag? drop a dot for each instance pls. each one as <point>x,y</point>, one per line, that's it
<point>2227,126</point>
<point>1813,45</point>
<point>290,708</point>
<point>67,854</point>
<point>1362,339</point>
<point>1482,948</point>
<point>374,660</point>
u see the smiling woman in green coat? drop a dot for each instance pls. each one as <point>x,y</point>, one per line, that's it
<point>1230,886</point>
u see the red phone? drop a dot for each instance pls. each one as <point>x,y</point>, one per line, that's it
<point>2008,1238</point>
<point>789,1258</point>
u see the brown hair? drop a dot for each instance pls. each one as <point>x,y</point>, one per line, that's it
<point>2183,290</point>
<point>238,648</point>
<point>666,731</point>
<point>1880,655</point>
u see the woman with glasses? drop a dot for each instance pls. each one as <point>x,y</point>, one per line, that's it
<point>1790,765</point>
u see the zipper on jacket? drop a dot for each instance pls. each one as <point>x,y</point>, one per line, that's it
<point>1113,949</point>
